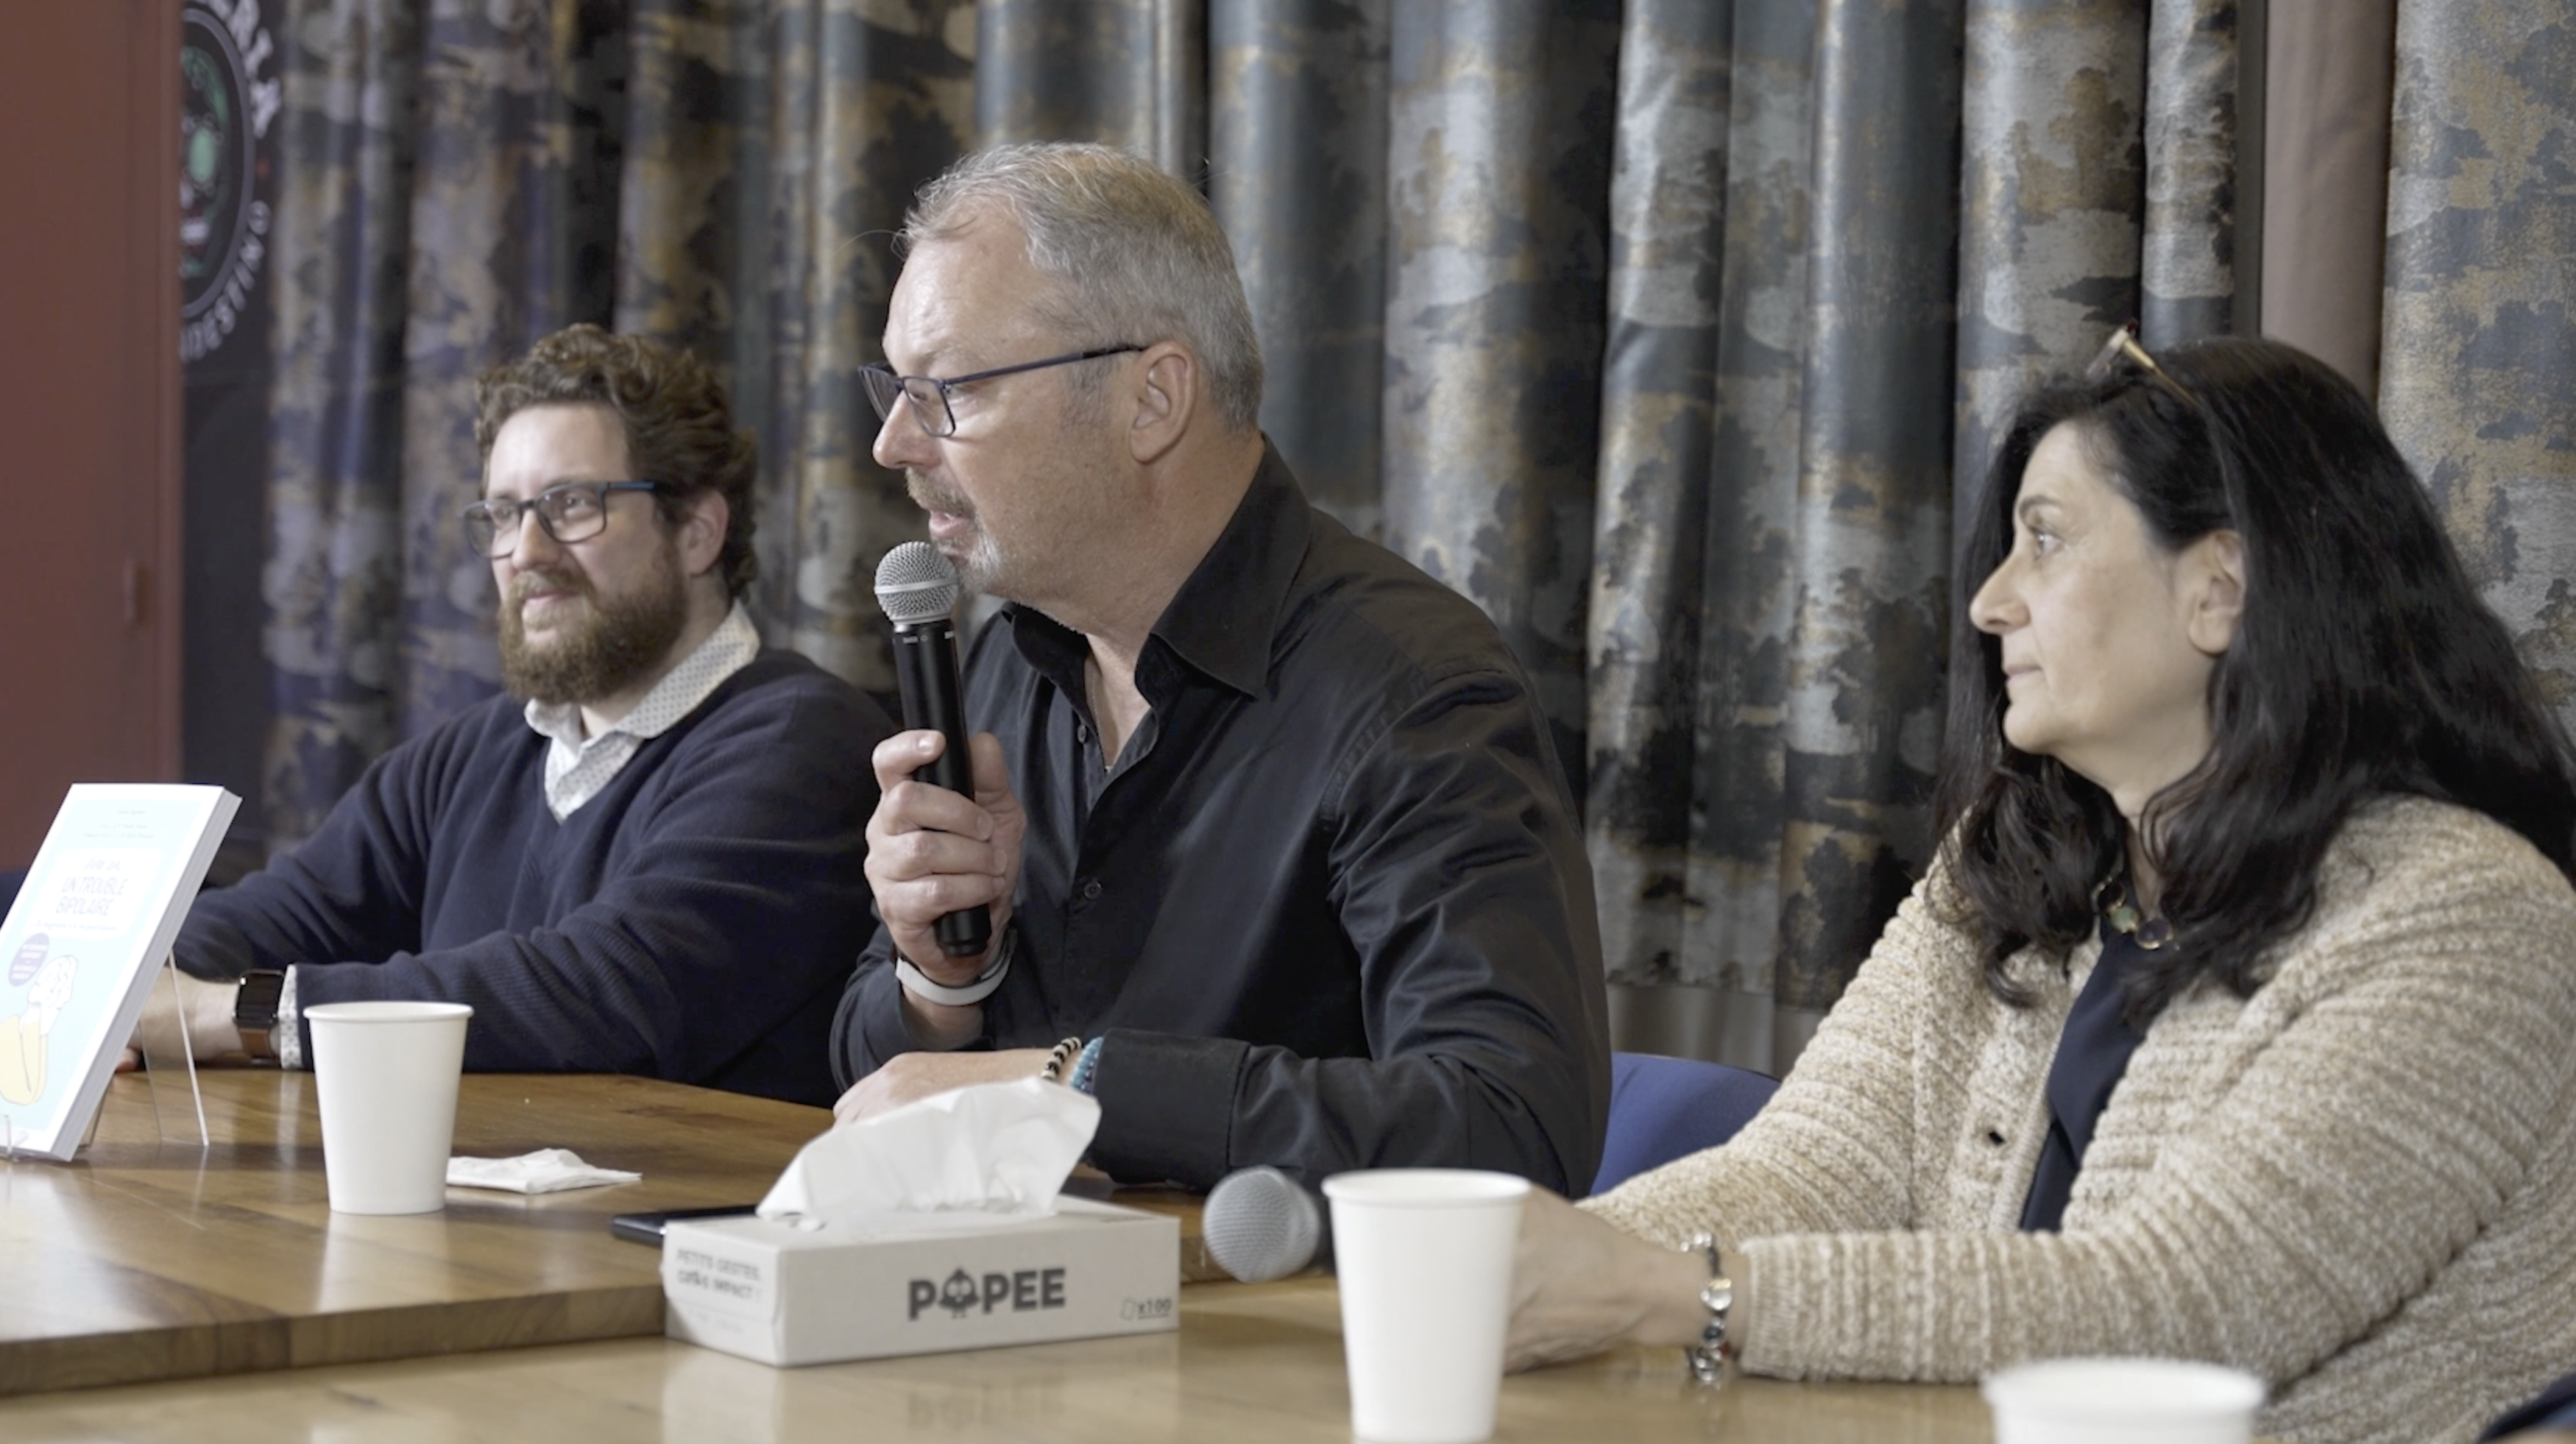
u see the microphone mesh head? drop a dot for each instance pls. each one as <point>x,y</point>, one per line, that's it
<point>1259,1225</point>
<point>916,584</point>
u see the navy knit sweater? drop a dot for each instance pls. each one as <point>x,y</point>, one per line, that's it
<point>694,921</point>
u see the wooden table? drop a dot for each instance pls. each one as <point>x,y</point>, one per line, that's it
<point>145,1260</point>
<point>1259,1364</point>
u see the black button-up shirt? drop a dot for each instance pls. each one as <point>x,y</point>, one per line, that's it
<point>1329,909</point>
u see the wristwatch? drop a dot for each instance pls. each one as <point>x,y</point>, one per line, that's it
<point>997,966</point>
<point>255,1011</point>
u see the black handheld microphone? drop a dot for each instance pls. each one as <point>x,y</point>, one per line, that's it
<point>918,590</point>
<point>1260,1224</point>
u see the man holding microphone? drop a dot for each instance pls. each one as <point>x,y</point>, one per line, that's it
<point>1280,863</point>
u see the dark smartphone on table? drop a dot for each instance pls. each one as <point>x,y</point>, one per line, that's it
<point>646,1228</point>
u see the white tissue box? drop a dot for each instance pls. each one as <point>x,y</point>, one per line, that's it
<point>786,1295</point>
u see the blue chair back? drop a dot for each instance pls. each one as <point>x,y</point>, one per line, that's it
<point>2553,1409</point>
<point>1667,1108</point>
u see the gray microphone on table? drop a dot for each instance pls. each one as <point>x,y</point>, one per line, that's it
<point>918,590</point>
<point>1260,1224</point>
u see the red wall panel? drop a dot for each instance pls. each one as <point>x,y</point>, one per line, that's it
<point>89,404</point>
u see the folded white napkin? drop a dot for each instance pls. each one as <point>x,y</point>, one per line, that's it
<point>548,1170</point>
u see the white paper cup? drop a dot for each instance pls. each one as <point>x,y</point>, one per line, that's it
<point>1424,1257</point>
<point>2123,1401</point>
<point>387,1073</point>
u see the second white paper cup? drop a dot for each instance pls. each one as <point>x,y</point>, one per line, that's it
<point>2123,1401</point>
<point>387,1074</point>
<point>1424,1258</point>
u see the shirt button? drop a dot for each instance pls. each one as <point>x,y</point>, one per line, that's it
<point>1090,889</point>
<point>1082,732</point>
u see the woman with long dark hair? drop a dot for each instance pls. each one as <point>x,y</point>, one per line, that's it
<point>2236,1019</point>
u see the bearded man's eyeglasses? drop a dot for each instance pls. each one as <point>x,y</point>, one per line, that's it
<point>574,511</point>
<point>929,394</point>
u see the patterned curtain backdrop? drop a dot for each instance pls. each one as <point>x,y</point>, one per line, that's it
<point>2052,200</point>
<point>333,580</point>
<point>2188,277</point>
<point>1669,331</point>
<point>770,152</point>
<point>2477,348</point>
<point>462,179</point>
<point>1692,586</point>
<point>1297,171</point>
<point>510,232</point>
<point>1499,130</point>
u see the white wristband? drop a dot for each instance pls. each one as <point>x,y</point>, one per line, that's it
<point>918,983</point>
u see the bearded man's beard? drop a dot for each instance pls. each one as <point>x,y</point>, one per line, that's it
<point>611,646</point>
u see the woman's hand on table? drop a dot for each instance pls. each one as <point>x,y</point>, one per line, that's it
<point>1580,1285</point>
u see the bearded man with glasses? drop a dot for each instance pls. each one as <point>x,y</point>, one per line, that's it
<point>1281,863</point>
<point>646,857</point>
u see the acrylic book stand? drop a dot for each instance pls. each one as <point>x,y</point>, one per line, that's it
<point>178,1108</point>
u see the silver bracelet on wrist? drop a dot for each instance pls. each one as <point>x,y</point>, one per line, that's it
<point>1708,1356</point>
<point>918,983</point>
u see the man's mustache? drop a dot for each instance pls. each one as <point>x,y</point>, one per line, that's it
<point>931,497</point>
<point>528,584</point>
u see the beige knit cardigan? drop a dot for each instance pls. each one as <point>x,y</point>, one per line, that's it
<point>2360,1183</point>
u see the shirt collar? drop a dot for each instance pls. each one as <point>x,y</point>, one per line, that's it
<point>727,650</point>
<point>1222,619</point>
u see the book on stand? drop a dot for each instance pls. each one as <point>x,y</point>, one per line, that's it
<point>85,941</point>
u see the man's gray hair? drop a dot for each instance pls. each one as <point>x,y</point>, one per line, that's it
<point>1137,255</point>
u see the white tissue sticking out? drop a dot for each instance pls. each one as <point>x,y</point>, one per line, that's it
<point>548,1170</point>
<point>1000,1150</point>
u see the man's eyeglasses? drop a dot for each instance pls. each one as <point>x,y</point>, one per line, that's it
<point>574,511</point>
<point>2123,346</point>
<point>929,394</point>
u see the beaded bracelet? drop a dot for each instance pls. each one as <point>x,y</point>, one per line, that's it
<point>1085,1066</point>
<point>1058,1056</point>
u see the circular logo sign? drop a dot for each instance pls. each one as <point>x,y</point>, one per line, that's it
<point>228,96</point>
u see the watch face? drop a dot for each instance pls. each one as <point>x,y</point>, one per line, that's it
<point>255,1006</point>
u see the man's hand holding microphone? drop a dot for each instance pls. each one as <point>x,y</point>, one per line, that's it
<point>943,851</point>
